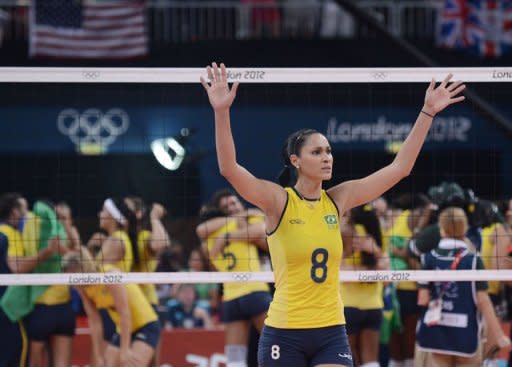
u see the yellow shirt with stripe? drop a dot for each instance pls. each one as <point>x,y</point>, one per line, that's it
<point>398,236</point>
<point>147,263</point>
<point>54,294</point>
<point>28,239</point>
<point>237,256</point>
<point>361,295</point>
<point>488,252</point>
<point>306,250</point>
<point>141,311</point>
<point>126,263</point>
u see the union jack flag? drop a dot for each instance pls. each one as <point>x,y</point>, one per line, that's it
<point>481,26</point>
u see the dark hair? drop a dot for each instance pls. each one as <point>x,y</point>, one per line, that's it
<point>410,201</point>
<point>366,216</point>
<point>208,212</point>
<point>132,226</point>
<point>140,205</point>
<point>292,145</point>
<point>221,194</point>
<point>8,202</point>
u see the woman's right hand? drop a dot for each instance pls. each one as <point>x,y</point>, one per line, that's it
<point>220,95</point>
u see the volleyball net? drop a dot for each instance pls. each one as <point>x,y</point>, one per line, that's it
<point>84,134</point>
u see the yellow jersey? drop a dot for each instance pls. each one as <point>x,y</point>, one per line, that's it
<point>361,295</point>
<point>141,311</point>
<point>306,250</point>
<point>53,295</point>
<point>237,256</point>
<point>487,253</point>
<point>147,263</point>
<point>399,236</point>
<point>126,263</point>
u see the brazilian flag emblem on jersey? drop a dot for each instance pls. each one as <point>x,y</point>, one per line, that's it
<point>331,220</point>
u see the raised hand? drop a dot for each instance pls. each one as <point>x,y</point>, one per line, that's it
<point>437,99</point>
<point>220,95</point>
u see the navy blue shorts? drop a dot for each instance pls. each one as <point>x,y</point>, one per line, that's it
<point>48,320</point>
<point>408,301</point>
<point>358,320</point>
<point>304,347</point>
<point>11,340</point>
<point>109,327</point>
<point>149,334</point>
<point>246,307</point>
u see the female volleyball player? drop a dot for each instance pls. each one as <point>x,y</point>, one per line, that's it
<point>232,241</point>
<point>118,249</point>
<point>363,301</point>
<point>305,324</point>
<point>152,240</point>
<point>137,330</point>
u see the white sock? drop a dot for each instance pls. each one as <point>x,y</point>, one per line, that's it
<point>236,364</point>
<point>393,363</point>
<point>409,363</point>
<point>370,364</point>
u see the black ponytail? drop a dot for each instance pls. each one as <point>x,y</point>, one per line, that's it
<point>292,145</point>
<point>366,216</point>
<point>132,226</point>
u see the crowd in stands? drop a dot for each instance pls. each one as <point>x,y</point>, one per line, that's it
<point>406,233</point>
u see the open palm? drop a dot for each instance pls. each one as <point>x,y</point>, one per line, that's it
<point>219,94</point>
<point>437,99</point>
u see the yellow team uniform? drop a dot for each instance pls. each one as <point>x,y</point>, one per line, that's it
<point>487,253</point>
<point>126,263</point>
<point>54,294</point>
<point>15,248</point>
<point>398,236</point>
<point>147,263</point>
<point>363,296</point>
<point>141,311</point>
<point>306,250</point>
<point>237,256</point>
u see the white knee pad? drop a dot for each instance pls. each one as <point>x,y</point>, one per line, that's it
<point>236,355</point>
<point>371,364</point>
<point>394,363</point>
<point>409,363</point>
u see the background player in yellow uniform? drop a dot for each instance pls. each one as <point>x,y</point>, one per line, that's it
<point>231,241</point>
<point>305,324</point>
<point>137,330</point>
<point>362,241</point>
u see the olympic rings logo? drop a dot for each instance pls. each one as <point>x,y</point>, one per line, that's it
<point>93,126</point>
<point>379,75</point>
<point>242,277</point>
<point>91,75</point>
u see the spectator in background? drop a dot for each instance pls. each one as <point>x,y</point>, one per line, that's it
<point>301,19</point>
<point>207,292</point>
<point>265,18</point>
<point>185,312</point>
<point>449,327</point>
<point>383,212</point>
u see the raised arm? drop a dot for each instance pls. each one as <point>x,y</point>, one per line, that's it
<point>266,195</point>
<point>357,192</point>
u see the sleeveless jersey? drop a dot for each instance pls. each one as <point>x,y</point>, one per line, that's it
<point>459,329</point>
<point>398,236</point>
<point>306,250</point>
<point>237,256</point>
<point>14,248</point>
<point>487,253</point>
<point>147,263</point>
<point>363,296</point>
<point>141,311</point>
<point>126,263</point>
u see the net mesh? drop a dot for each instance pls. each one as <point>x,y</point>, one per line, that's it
<point>82,135</point>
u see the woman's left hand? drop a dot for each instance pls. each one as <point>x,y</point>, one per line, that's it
<point>437,99</point>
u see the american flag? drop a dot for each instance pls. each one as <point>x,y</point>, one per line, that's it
<point>481,26</point>
<point>86,29</point>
